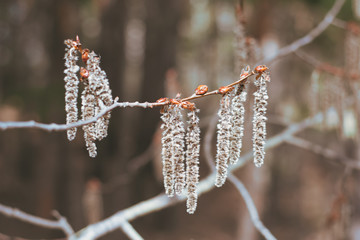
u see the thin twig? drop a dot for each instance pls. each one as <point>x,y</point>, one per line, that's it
<point>339,23</point>
<point>308,38</point>
<point>251,207</point>
<point>326,152</point>
<point>130,231</point>
<point>62,127</point>
<point>161,201</point>
<point>325,67</point>
<point>61,223</point>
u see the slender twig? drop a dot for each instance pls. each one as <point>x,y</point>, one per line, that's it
<point>339,23</point>
<point>130,231</point>
<point>61,223</point>
<point>308,38</point>
<point>326,152</point>
<point>254,215</point>
<point>325,67</point>
<point>62,127</point>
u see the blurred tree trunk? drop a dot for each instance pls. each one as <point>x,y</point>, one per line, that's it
<point>112,51</point>
<point>162,21</point>
<point>160,56</point>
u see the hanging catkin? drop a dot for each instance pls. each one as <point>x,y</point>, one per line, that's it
<point>259,119</point>
<point>71,87</point>
<point>192,160</point>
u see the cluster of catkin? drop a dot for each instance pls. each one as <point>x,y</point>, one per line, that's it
<point>230,128</point>
<point>331,87</point>
<point>180,147</point>
<point>180,153</point>
<point>95,97</point>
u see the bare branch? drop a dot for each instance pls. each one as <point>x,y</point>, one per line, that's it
<point>130,231</point>
<point>339,23</point>
<point>62,127</point>
<point>61,223</point>
<point>326,152</point>
<point>308,38</point>
<point>251,207</point>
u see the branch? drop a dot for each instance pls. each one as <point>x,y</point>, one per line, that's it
<point>61,223</point>
<point>326,152</point>
<point>162,201</point>
<point>251,207</point>
<point>308,38</point>
<point>62,127</point>
<point>130,231</point>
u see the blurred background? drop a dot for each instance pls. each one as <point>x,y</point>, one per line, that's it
<point>156,48</point>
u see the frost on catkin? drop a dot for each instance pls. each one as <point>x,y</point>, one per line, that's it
<point>192,160</point>
<point>223,146</point>
<point>237,125</point>
<point>166,142</point>
<point>99,86</point>
<point>71,87</point>
<point>88,111</point>
<point>259,120</point>
<point>178,149</point>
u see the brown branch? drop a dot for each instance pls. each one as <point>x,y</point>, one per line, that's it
<point>61,223</point>
<point>62,127</point>
<point>325,67</point>
<point>308,38</point>
<point>326,152</point>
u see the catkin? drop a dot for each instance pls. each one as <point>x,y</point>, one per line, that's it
<point>99,86</point>
<point>166,153</point>
<point>192,160</point>
<point>237,125</point>
<point>88,111</point>
<point>71,87</point>
<point>223,146</point>
<point>259,119</point>
<point>178,149</point>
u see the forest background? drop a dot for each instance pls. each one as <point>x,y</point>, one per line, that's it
<point>155,48</point>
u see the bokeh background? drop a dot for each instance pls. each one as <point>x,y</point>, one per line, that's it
<point>151,49</point>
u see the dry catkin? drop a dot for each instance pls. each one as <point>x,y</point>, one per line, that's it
<point>88,111</point>
<point>223,146</point>
<point>192,160</point>
<point>99,86</point>
<point>71,87</point>
<point>178,149</point>
<point>167,159</point>
<point>237,125</point>
<point>259,119</point>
